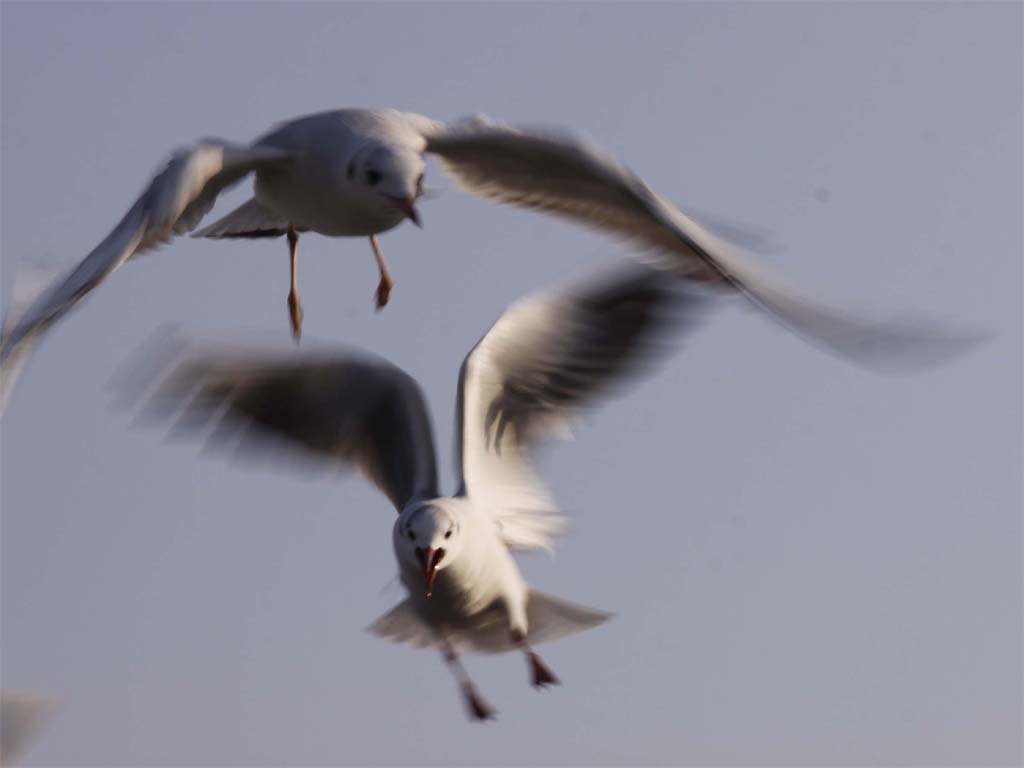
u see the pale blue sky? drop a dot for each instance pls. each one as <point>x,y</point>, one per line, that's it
<point>809,564</point>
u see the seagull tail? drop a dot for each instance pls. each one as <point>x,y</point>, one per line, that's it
<point>402,625</point>
<point>548,618</point>
<point>551,618</point>
<point>29,284</point>
<point>251,219</point>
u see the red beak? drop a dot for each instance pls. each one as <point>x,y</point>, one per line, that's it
<point>429,558</point>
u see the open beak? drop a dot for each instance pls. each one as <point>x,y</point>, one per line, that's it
<point>407,206</point>
<point>429,559</point>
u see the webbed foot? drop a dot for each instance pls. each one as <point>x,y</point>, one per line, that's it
<point>383,292</point>
<point>478,708</point>
<point>542,675</point>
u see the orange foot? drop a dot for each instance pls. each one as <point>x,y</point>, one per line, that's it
<point>383,292</point>
<point>295,313</point>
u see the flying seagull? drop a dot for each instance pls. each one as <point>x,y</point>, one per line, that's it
<point>544,359</point>
<point>359,172</point>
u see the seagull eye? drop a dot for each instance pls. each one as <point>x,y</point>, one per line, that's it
<point>412,536</point>
<point>448,534</point>
<point>373,177</point>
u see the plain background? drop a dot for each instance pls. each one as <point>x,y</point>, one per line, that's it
<point>810,564</point>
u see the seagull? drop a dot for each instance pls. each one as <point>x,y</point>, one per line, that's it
<point>545,358</point>
<point>359,172</point>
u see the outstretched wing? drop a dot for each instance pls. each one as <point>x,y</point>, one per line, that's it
<point>174,203</point>
<point>546,357</point>
<point>342,407</point>
<point>560,174</point>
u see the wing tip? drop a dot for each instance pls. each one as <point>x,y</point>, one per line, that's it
<point>17,342</point>
<point>22,713</point>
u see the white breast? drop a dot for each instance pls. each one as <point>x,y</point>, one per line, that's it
<point>312,197</point>
<point>483,573</point>
<point>315,192</point>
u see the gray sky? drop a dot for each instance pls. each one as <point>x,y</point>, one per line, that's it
<point>809,564</point>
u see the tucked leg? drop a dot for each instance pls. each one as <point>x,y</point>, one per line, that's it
<point>386,283</point>
<point>478,708</point>
<point>541,675</point>
<point>294,305</point>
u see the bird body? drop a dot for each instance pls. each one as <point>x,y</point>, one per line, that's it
<point>321,191</point>
<point>479,584</point>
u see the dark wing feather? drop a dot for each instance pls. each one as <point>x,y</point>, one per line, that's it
<point>343,408</point>
<point>546,358</point>
<point>607,334</point>
<point>560,174</point>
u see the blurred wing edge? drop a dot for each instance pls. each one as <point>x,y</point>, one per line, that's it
<point>547,358</point>
<point>330,407</point>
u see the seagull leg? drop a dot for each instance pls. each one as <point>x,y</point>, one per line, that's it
<point>477,707</point>
<point>541,675</point>
<point>386,283</point>
<point>294,305</point>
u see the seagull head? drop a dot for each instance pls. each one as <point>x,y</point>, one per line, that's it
<point>393,175</point>
<point>427,539</point>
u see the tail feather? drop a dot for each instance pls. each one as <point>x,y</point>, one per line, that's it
<point>402,625</point>
<point>250,219</point>
<point>549,618</point>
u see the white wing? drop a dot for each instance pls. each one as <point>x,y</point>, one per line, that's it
<point>545,358</point>
<point>339,407</point>
<point>174,203</point>
<point>560,174</point>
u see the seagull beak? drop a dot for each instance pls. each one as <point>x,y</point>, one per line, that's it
<point>407,206</point>
<point>429,558</point>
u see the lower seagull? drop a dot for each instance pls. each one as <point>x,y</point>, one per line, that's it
<point>545,357</point>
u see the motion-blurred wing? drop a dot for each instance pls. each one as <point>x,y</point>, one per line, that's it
<point>21,715</point>
<point>339,407</point>
<point>560,174</point>
<point>546,357</point>
<point>173,203</point>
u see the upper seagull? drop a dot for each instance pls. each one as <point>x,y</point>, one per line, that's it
<point>545,358</point>
<point>359,172</point>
